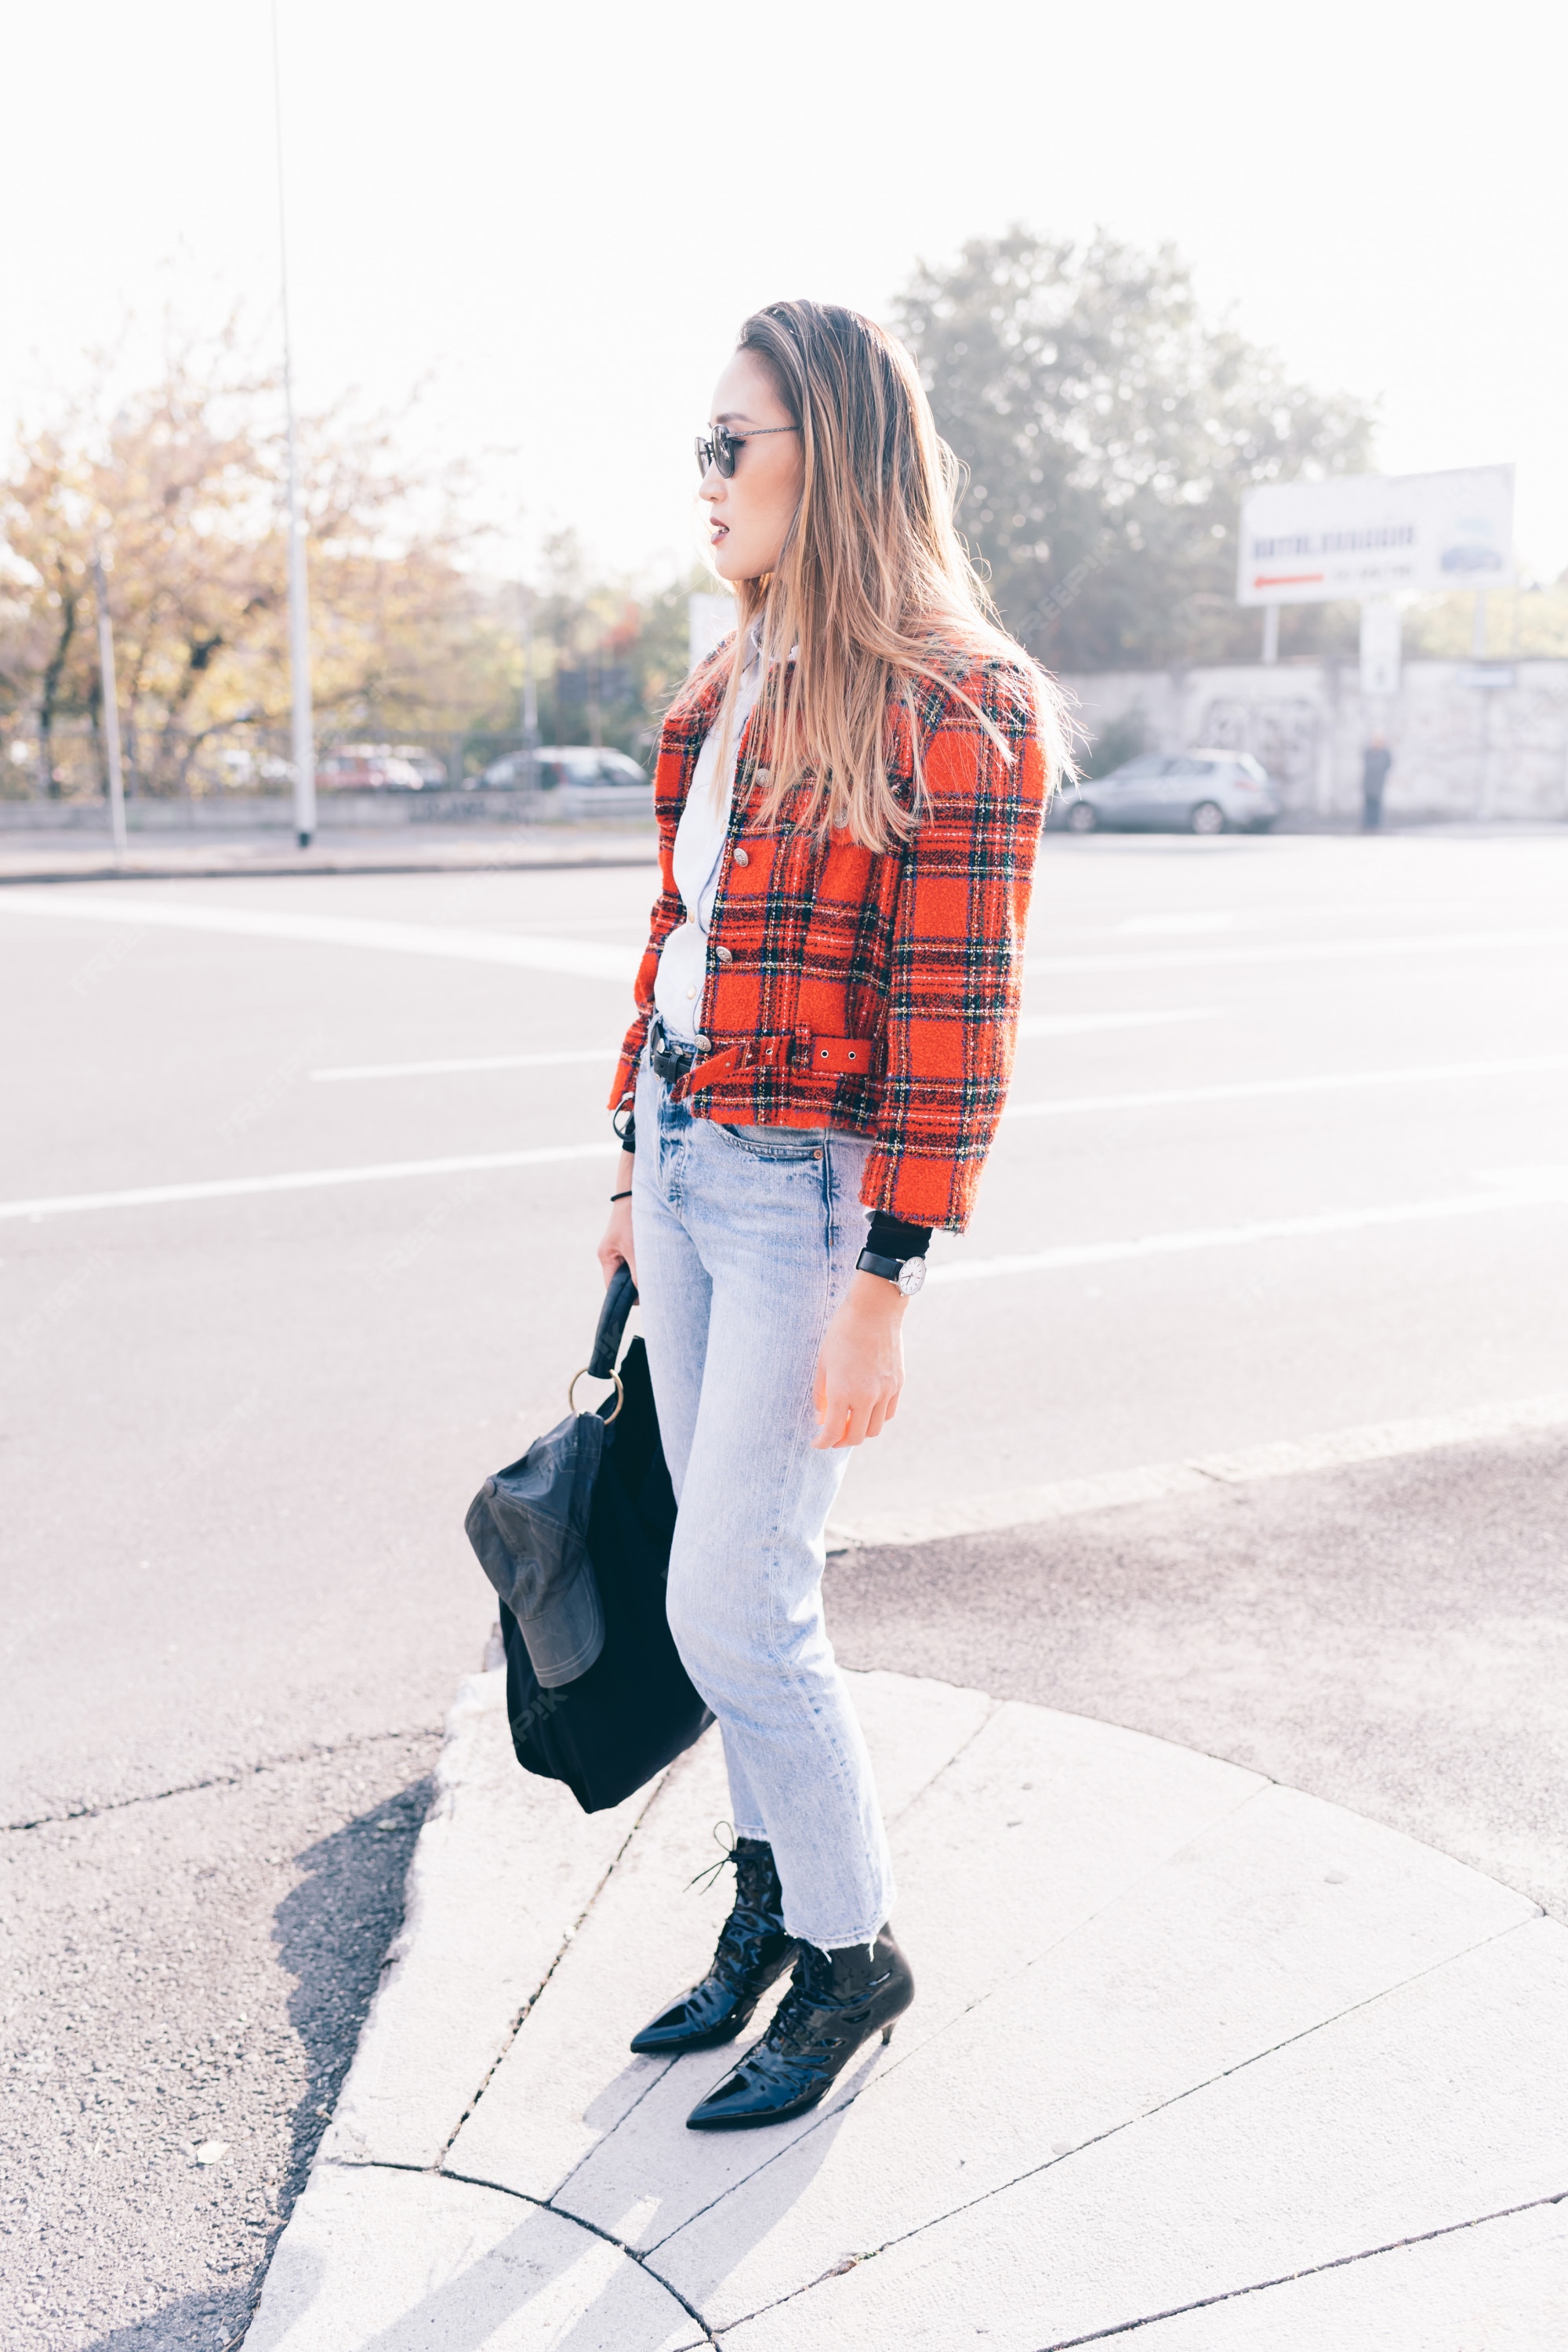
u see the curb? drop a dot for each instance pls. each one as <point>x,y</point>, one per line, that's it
<point>1194,2056</point>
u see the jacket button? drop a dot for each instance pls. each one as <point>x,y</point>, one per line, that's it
<point>741,858</point>
<point>703,1045</point>
<point>723,955</point>
<point>764,775</point>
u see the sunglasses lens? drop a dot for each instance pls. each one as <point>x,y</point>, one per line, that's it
<point>724,453</point>
<point>704,454</point>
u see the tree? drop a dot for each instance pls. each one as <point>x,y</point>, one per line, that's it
<point>627,640</point>
<point>1109,431</point>
<point>182,491</point>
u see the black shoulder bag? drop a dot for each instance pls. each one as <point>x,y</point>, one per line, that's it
<point>574,1536</point>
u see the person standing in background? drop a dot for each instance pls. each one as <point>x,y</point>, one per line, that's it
<point>1376,763</point>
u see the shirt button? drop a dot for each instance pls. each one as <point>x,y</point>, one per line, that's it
<point>723,955</point>
<point>690,992</point>
<point>741,858</point>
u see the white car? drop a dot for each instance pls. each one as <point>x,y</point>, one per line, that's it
<point>1182,792</point>
<point>560,764</point>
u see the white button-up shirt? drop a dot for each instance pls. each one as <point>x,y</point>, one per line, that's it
<point>699,852</point>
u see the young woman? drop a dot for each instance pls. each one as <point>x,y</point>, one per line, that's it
<point>850,795</point>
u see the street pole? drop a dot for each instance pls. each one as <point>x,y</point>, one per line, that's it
<point>298,585</point>
<point>530,694</point>
<point>111,707</point>
<point>1479,628</point>
<point>1271,632</point>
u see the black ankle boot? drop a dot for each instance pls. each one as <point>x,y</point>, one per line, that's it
<point>836,2001</point>
<point>754,1950</point>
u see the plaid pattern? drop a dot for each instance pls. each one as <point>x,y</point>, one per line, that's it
<point>916,952</point>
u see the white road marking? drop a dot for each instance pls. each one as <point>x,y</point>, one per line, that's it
<point>1188,924</point>
<point>1296,951</point>
<point>582,958</point>
<point>1382,1440</point>
<point>1521,1188</point>
<point>603,1054</point>
<point>1081,1024</point>
<point>308,1180</point>
<point>1040,1024</point>
<point>1244,1090</point>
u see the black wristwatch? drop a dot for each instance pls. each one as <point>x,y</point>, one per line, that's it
<point>906,1272</point>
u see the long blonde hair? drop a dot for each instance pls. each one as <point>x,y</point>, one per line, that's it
<point>874,591</point>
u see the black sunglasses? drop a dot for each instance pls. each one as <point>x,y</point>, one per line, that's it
<point>718,448</point>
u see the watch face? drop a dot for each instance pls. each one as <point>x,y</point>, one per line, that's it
<point>912,1274</point>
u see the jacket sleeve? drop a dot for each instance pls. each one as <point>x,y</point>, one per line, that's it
<point>958,937</point>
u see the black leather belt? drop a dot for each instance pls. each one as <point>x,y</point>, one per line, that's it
<point>666,1058</point>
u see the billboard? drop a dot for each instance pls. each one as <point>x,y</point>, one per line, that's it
<point>1376,534</point>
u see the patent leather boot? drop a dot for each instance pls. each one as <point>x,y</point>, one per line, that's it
<point>835,2003</point>
<point>754,1949</point>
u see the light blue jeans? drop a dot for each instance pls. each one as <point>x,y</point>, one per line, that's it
<point>746,1239</point>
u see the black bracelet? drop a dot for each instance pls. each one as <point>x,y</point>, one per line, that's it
<point>621,1196</point>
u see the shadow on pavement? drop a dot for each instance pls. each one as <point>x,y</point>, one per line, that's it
<point>331,1932</point>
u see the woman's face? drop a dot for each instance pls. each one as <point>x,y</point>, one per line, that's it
<point>750,514</point>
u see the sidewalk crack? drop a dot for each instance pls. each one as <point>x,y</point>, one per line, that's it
<point>1312,2270</point>
<point>542,2205</point>
<point>910,2051</point>
<point>992,1710</point>
<point>1114,2131</point>
<point>316,1754</point>
<point>517,2023</point>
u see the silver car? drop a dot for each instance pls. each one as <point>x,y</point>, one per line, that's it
<point>1183,792</point>
<point>560,764</point>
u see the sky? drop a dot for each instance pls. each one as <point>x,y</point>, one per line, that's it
<point>553,218</point>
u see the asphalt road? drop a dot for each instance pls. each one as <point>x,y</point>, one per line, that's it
<point>1288,1155</point>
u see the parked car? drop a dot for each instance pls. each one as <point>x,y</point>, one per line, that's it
<point>432,768</point>
<point>1186,792</point>
<point>560,764</point>
<point>368,767</point>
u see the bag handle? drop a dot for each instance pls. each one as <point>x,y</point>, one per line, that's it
<point>619,1299</point>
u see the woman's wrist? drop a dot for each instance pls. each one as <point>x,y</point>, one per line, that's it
<point>872,1294</point>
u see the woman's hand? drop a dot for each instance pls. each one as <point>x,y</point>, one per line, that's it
<point>615,1249</point>
<point>861,1368</point>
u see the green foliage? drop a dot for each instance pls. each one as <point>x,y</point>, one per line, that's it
<point>1521,622</point>
<point>179,485</point>
<point>1109,431</point>
<point>636,640</point>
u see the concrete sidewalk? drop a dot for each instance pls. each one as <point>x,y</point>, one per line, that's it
<point>172,856</point>
<point>1194,2056</point>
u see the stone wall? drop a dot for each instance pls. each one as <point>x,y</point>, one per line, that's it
<point>1460,750</point>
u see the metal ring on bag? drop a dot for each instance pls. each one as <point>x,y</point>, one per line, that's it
<point>620,1393</point>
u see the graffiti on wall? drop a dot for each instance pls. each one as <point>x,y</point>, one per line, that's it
<point>1282,731</point>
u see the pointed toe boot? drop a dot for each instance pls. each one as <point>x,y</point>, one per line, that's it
<point>835,2003</point>
<point>754,1949</point>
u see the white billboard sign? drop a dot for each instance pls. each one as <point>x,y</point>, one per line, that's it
<point>1376,535</point>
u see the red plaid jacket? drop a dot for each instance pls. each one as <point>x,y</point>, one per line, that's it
<point>850,990</point>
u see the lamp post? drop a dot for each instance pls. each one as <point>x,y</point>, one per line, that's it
<point>529,694</point>
<point>111,707</point>
<point>304,731</point>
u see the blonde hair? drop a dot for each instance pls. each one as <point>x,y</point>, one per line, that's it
<point>874,591</point>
